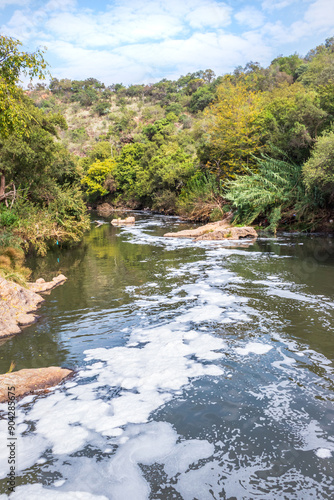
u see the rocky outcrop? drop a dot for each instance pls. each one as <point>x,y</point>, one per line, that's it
<point>18,304</point>
<point>230,233</point>
<point>220,230</point>
<point>105,210</point>
<point>199,231</point>
<point>120,222</point>
<point>41,285</point>
<point>30,381</point>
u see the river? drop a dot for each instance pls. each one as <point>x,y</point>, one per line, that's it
<point>204,370</point>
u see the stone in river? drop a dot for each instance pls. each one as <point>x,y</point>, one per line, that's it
<point>30,381</point>
<point>120,222</point>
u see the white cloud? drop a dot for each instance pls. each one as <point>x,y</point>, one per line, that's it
<point>6,3</point>
<point>137,41</point>
<point>276,4</point>
<point>60,5</point>
<point>320,14</point>
<point>317,19</point>
<point>211,15</point>
<point>111,30</point>
<point>139,63</point>
<point>249,16</point>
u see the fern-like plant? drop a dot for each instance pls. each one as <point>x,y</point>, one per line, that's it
<point>274,188</point>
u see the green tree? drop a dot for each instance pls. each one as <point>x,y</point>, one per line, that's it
<point>28,159</point>
<point>99,179</point>
<point>201,98</point>
<point>232,131</point>
<point>291,119</point>
<point>318,171</point>
<point>288,64</point>
<point>319,69</point>
<point>13,112</point>
<point>13,63</point>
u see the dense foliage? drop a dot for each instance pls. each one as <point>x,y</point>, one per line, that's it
<point>40,200</point>
<point>258,142</point>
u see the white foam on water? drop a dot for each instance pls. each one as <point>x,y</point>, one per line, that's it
<point>314,438</point>
<point>323,453</point>
<point>37,491</point>
<point>201,482</point>
<point>148,444</point>
<point>146,377</point>
<point>186,453</point>
<point>254,348</point>
<point>202,313</point>
<point>109,406</point>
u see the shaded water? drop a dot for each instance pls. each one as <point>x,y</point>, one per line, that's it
<point>205,370</point>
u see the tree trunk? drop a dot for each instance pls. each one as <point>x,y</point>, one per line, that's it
<point>2,184</point>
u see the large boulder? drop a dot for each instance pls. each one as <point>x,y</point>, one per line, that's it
<point>199,231</point>
<point>18,304</point>
<point>29,381</point>
<point>221,230</point>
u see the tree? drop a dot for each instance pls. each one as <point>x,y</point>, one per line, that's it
<point>13,112</point>
<point>318,171</point>
<point>292,119</point>
<point>99,179</point>
<point>27,159</point>
<point>232,130</point>
<point>288,64</point>
<point>319,69</point>
<point>201,98</point>
<point>13,62</point>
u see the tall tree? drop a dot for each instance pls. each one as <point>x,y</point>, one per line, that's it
<point>233,130</point>
<point>13,112</point>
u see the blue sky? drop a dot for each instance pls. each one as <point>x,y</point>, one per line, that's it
<point>143,41</point>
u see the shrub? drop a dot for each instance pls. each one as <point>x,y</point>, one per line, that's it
<point>318,171</point>
<point>8,218</point>
<point>79,135</point>
<point>201,199</point>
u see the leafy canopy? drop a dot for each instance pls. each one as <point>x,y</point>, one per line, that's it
<point>233,131</point>
<point>95,180</point>
<point>13,62</point>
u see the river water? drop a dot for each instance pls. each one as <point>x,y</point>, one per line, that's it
<point>204,370</point>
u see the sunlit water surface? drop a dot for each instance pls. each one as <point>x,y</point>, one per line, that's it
<point>204,370</point>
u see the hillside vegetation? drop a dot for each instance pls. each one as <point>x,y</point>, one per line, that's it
<point>258,142</point>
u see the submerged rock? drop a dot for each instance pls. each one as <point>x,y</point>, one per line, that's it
<point>18,304</point>
<point>120,222</point>
<point>32,380</point>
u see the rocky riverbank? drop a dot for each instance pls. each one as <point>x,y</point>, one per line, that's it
<point>18,305</point>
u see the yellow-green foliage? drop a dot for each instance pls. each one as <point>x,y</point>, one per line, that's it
<point>97,175</point>
<point>233,129</point>
<point>13,114</point>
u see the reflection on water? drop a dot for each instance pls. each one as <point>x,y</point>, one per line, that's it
<point>204,369</point>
